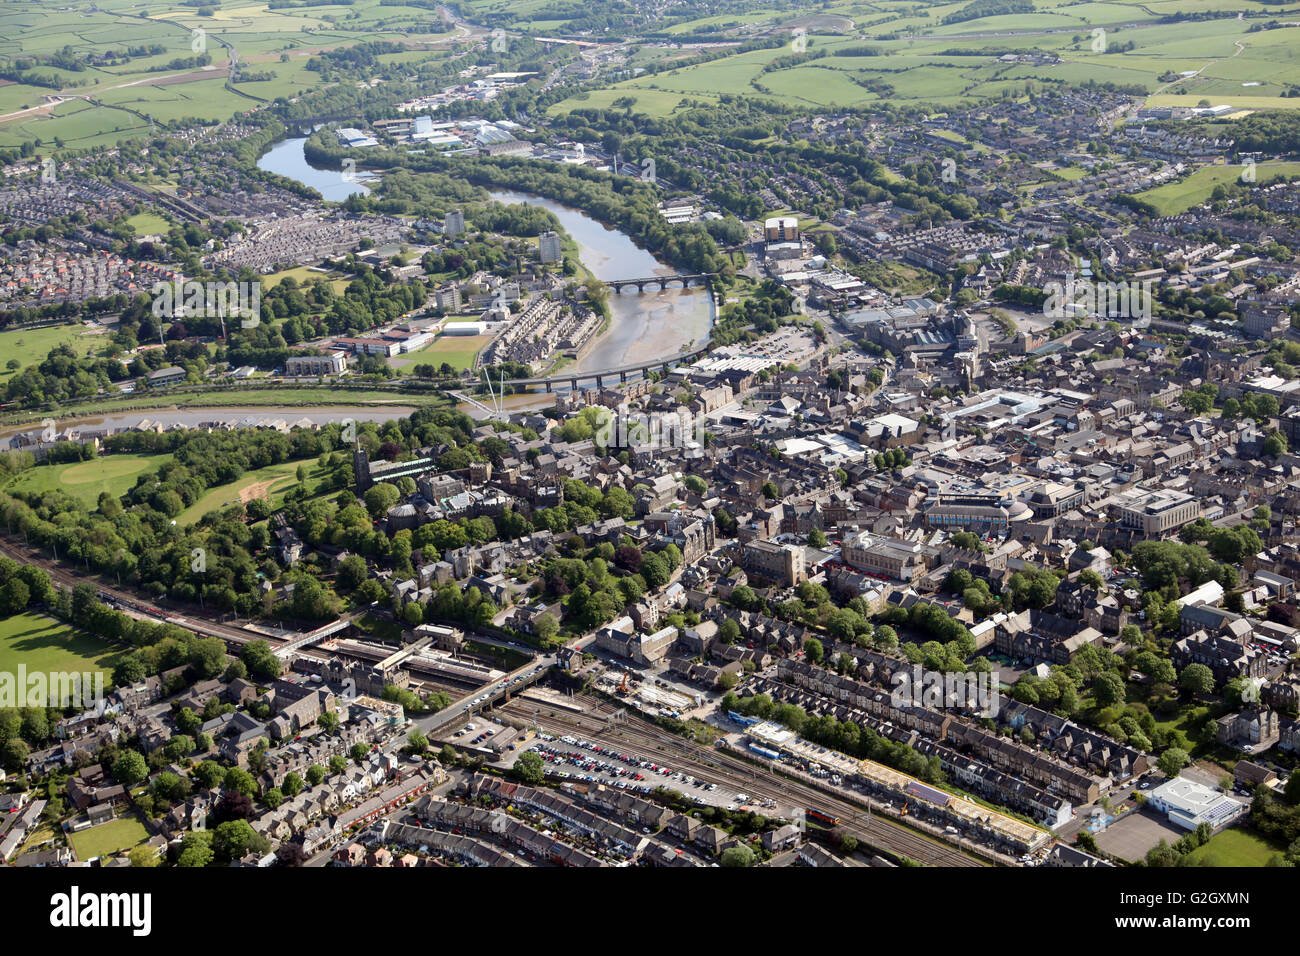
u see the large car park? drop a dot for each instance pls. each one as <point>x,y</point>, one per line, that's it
<point>580,760</point>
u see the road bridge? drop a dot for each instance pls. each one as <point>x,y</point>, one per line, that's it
<point>660,282</point>
<point>599,376</point>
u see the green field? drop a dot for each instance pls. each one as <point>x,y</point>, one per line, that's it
<point>116,101</point>
<point>148,224</point>
<point>115,836</point>
<point>1235,847</point>
<point>919,65</point>
<point>31,346</point>
<point>269,482</point>
<point>85,480</point>
<point>45,645</point>
<point>104,104</point>
<point>273,398</point>
<point>1174,198</point>
<point>458,351</point>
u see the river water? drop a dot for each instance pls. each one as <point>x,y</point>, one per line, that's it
<point>287,159</point>
<point>643,326</point>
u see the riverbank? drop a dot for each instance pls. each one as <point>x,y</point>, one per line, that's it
<point>642,327</point>
<point>321,405</point>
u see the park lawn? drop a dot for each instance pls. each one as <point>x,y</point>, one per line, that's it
<point>1235,847</point>
<point>148,224</point>
<point>115,836</point>
<point>85,480</point>
<point>31,346</point>
<point>305,275</point>
<point>46,645</point>
<point>262,483</point>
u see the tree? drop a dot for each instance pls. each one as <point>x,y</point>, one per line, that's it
<point>352,571</point>
<point>290,854</point>
<point>816,539</point>
<point>737,856</point>
<point>188,722</point>
<point>292,785</point>
<point>1292,791</point>
<point>240,780</point>
<point>1172,761</point>
<point>379,498</point>
<point>813,650</point>
<point>545,627</point>
<point>235,839</point>
<point>770,491</point>
<point>130,768</point>
<point>143,856</point>
<point>16,753</point>
<point>1197,678</point>
<point>209,773</point>
<point>729,631</point>
<point>1108,688</point>
<point>196,849</point>
<point>529,768</point>
<point>260,659</point>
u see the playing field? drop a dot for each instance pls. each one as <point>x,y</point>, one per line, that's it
<point>45,645</point>
<point>458,351</point>
<point>85,480</point>
<point>114,836</point>
<point>148,224</point>
<point>31,346</point>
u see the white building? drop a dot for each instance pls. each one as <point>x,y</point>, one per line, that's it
<point>1189,804</point>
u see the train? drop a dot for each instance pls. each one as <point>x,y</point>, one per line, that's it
<point>814,814</point>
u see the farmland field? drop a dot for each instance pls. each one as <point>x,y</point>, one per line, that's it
<point>117,100</point>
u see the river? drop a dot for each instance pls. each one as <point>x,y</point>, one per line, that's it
<point>643,327</point>
<point>287,159</point>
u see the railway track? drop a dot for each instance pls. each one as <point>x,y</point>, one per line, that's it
<point>726,770</point>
